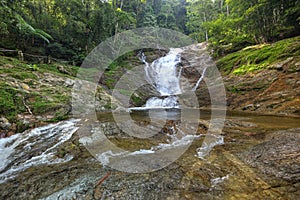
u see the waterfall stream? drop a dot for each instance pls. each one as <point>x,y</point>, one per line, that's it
<point>165,75</point>
<point>33,148</point>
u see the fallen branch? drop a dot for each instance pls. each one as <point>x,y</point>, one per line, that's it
<point>27,107</point>
<point>103,179</point>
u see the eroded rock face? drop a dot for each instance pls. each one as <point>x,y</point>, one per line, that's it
<point>267,91</point>
<point>272,90</point>
<point>278,156</point>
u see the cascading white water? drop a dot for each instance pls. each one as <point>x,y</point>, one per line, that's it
<point>37,147</point>
<point>164,75</point>
<point>169,102</point>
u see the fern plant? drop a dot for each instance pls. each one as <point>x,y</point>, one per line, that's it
<point>26,29</point>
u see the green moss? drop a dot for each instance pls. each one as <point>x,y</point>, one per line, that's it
<point>249,68</point>
<point>137,101</point>
<point>58,117</point>
<point>259,57</point>
<point>118,67</point>
<point>108,106</point>
<point>10,102</point>
<point>23,75</point>
<point>40,99</point>
<point>234,89</point>
<point>40,106</point>
<point>110,82</point>
<point>21,127</point>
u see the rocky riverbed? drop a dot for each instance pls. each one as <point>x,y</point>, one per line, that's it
<point>255,161</point>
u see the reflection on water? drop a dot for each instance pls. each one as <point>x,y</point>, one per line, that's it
<point>268,122</point>
<point>167,114</point>
<point>165,134</point>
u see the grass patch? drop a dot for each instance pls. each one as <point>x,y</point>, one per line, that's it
<point>41,100</point>
<point>24,75</point>
<point>22,70</point>
<point>41,105</point>
<point>259,57</point>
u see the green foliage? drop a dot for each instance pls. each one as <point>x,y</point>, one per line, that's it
<point>69,30</point>
<point>26,29</point>
<point>233,24</point>
<point>137,101</point>
<point>34,67</point>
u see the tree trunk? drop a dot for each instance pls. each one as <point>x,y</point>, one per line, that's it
<point>206,33</point>
<point>227,10</point>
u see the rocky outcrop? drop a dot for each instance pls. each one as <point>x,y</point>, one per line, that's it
<point>273,90</point>
<point>278,156</point>
<point>33,96</point>
<point>266,91</point>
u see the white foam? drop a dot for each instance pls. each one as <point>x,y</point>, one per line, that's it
<point>105,157</point>
<point>17,149</point>
<point>165,77</point>
<point>214,182</point>
<point>6,148</point>
<point>210,141</point>
<point>142,151</point>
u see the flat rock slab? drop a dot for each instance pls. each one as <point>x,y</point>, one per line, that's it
<point>278,156</point>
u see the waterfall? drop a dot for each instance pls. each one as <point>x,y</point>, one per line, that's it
<point>164,74</point>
